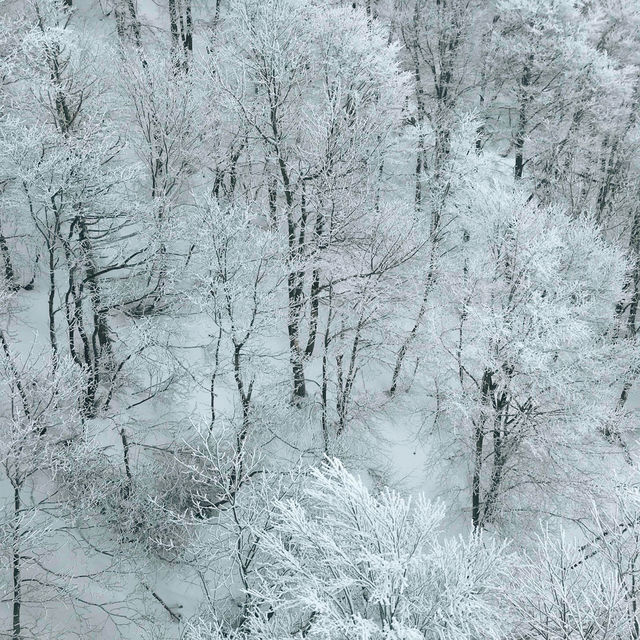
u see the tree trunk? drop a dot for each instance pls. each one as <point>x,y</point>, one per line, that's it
<point>296,231</point>
<point>522,120</point>
<point>127,21</point>
<point>325,375</point>
<point>175,35</point>
<point>101,338</point>
<point>429,282</point>
<point>16,572</point>
<point>481,130</point>
<point>420,116</point>
<point>75,322</point>
<point>181,28</point>
<point>634,247</point>
<point>478,440</point>
<point>9,273</point>
<point>345,383</point>
<point>476,519</point>
<point>499,457</point>
<point>294,287</point>
<point>51,303</point>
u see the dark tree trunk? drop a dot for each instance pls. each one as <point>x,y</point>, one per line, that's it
<point>181,28</point>
<point>296,236</point>
<point>188,30</point>
<point>476,518</point>
<point>173,27</point>
<point>499,457</point>
<point>478,441</point>
<point>345,382</point>
<point>481,130</point>
<point>420,117</point>
<point>243,393</point>
<point>522,120</point>
<point>294,283</point>
<point>634,247</point>
<point>101,339</point>
<point>51,303</point>
<point>325,375</point>
<point>273,202</point>
<point>9,272</point>
<point>74,312</point>
<point>313,313</point>
<point>16,569</point>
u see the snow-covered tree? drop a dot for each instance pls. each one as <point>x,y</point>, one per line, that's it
<point>339,561</point>
<point>529,334</point>
<point>317,91</point>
